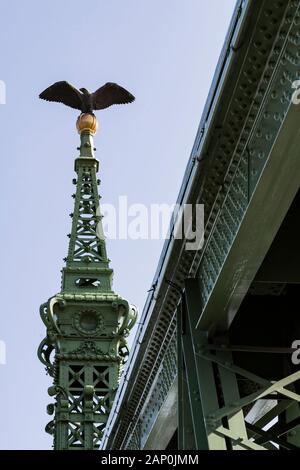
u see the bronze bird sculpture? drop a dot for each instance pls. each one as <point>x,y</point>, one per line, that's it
<point>82,99</point>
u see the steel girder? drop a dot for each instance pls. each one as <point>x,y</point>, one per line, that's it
<point>210,408</point>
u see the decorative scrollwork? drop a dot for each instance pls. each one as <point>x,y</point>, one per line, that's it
<point>44,353</point>
<point>50,409</point>
<point>123,351</point>
<point>43,314</point>
<point>87,348</point>
<point>50,427</point>
<point>128,317</point>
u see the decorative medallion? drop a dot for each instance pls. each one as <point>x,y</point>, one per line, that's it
<point>89,322</point>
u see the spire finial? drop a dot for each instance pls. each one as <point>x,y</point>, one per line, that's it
<point>87,126</point>
<point>87,122</point>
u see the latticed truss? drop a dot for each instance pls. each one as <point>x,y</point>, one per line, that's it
<point>89,394</point>
<point>87,239</point>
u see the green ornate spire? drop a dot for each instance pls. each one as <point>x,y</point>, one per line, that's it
<point>87,323</point>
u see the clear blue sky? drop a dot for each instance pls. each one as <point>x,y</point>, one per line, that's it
<point>165,53</point>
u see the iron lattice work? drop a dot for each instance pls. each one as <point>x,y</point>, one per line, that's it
<point>249,114</point>
<point>87,323</point>
<point>86,241</point>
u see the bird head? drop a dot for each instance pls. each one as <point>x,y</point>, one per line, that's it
<point>84,91</point>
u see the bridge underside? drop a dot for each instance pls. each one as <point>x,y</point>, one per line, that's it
<point>237,387</point>
<point>211,367</point>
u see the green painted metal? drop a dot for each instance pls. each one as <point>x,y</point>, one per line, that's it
<point>140,429</point>
<point>269,100</point>
<point>164,380</point>
<point>200,375</point>
<point>180,373</point>
<point>230,394</point>
<point>293,415</point>
<point>210,397</point>
<point>186,432</point>
<point>161,435</point>
<point>87,323</point>
<point>191,397</point>
<point>231,407</point>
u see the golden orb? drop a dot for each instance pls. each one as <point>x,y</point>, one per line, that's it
<point>87,122</point>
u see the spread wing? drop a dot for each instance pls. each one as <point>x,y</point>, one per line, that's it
<point>63,92</point>
<point>110,94</point>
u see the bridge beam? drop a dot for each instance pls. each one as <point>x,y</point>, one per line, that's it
<point>211,410</point>
<point>199,393</point>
